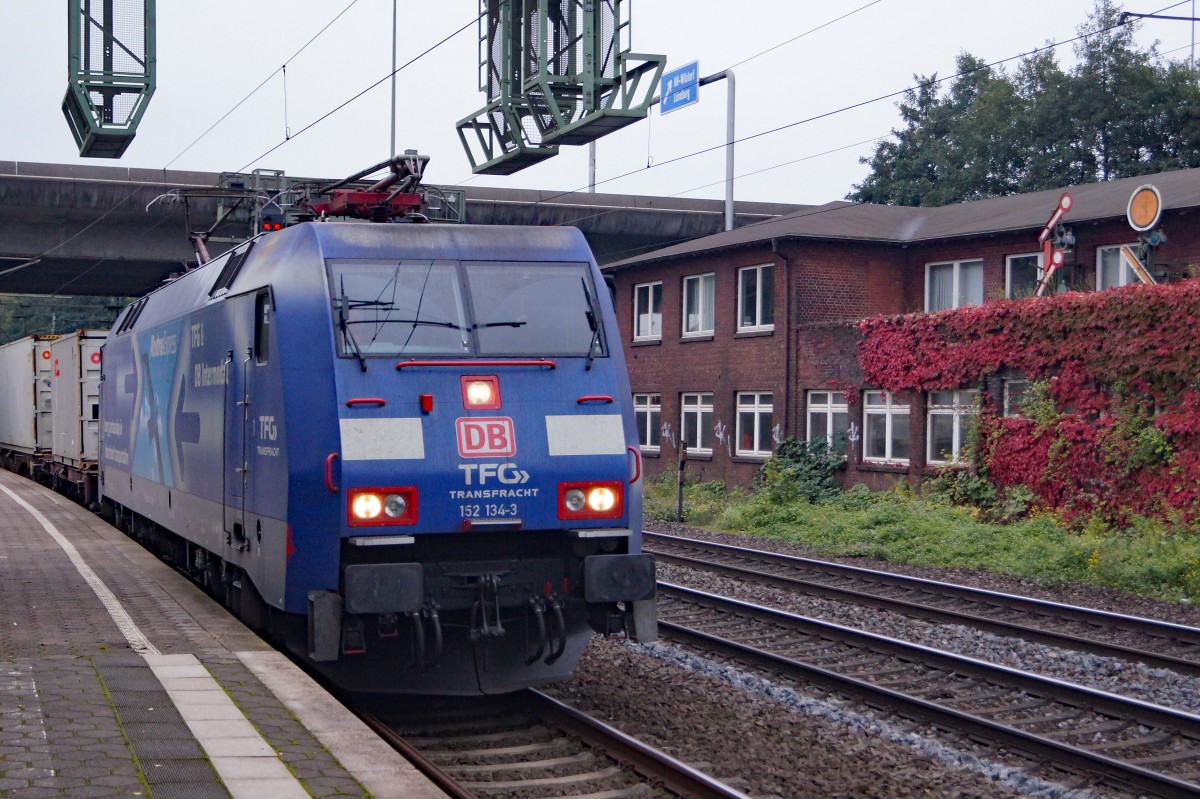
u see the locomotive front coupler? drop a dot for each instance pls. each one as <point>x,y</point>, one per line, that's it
<point>485,607</point>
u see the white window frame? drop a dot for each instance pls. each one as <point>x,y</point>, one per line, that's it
<point>655,332</point>
<point>645,405</point>
<point>759,404</point>
<point>889,410</point>
<point>1008,267</point>
<point>964,407</point>
<point>828,408</point>
<point>1009,400</point>
<point>1127,274</point>
<point>956,284</point>
<point>698,430</point>
<point>707,299</point>
<point>760,310</point>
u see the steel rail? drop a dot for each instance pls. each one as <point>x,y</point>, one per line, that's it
<point>650,763</point>
<point>1139,778</point>
<point>436,775</point>
<point>942,590</point>
<point>674,775</point>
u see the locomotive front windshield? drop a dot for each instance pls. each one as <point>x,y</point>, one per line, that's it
<point>468,308</point>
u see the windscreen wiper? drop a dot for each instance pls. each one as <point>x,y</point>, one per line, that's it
<point>499,324</point>
<point>593,323</point>
<point>345,327</point>
<point>430,322</point>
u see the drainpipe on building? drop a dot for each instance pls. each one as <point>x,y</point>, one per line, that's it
<point>791,425</point>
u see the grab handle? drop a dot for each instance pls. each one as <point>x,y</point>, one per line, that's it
<point>329,472</point>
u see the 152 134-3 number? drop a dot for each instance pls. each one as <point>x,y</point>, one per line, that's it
<point>490,511</point>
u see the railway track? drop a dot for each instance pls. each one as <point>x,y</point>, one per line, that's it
<point>1128,744</point>
<point>1155,643</point>
<point>530,745</point>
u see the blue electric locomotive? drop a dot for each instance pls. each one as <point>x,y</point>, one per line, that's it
<point>406,450</point>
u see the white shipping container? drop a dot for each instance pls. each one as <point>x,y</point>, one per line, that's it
<point>26,400</point>
<point>75,360</point>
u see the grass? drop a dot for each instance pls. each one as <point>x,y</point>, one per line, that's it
<point>1150,558</point>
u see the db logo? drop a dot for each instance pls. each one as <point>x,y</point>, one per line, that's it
<point>486,437</point>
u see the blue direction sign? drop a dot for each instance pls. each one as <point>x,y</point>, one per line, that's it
<point>679,87</point>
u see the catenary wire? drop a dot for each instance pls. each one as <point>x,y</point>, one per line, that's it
<point>810,157</point>
<point>843,109</point>
<point>806,33</point>
<point>373,86</point>
<point>265,81</point>
<point>616,177</point>
<point>135,189</point>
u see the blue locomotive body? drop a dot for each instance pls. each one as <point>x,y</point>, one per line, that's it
<point>406,450</point>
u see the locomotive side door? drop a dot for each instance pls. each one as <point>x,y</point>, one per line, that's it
<point>242,423</point>
<point>234,468</point>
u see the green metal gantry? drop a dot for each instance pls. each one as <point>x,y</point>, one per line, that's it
<point>110,73</point>
<point>555,72</point>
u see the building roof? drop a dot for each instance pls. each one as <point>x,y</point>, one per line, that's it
<point>893,224</point>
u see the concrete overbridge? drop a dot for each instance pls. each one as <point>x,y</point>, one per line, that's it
<point>88,230</point>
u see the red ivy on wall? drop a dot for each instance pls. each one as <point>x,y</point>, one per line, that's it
<point>1109,359</point>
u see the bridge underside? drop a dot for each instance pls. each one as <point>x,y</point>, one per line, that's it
<point>90,233</point>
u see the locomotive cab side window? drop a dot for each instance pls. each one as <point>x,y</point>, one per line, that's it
<point>262,327</point>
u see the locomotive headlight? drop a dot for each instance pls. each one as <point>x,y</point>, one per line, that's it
<point>574,500</point>
<point>601,499</point>
<point>598,499</point>
<point>377,507</point>
<point>367,506</point>
<point>479,393</point>
<point>394,505</point>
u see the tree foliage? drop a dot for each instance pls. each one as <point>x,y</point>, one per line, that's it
<point>1119,111</point>
<point>26,314</point>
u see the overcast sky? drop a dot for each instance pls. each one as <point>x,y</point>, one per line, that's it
<point>211,54</point>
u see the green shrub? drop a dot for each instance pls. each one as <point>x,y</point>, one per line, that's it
<point>801,470</point>
<point>964,488</point>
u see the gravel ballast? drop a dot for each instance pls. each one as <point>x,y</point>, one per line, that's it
<point>791,741</point>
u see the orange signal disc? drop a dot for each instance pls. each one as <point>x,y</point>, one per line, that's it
<point>1145,207</point>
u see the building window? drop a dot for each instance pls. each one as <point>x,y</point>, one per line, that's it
<point>698,305</point>
<point>950,417</point>
<point>756,298</point>
<point>1015,394</point>
<point>1022,274</point>
<point>647,311</point>
<point>697,422</point>
<point>754,422</point>
<point>953,285</point>
<point>828,418</point>
<point>647,413</point>
<point>885,428</point>
<point>1111,269</point>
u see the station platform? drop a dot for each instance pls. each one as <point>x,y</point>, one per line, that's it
<point>119,677</point>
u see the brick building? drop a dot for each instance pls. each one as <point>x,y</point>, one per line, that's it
<point>738,340</point>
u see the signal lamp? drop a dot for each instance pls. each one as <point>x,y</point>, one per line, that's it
<point>591,500</point>
<point>377,507</point>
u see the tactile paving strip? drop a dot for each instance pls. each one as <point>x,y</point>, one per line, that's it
<point>170,758</point>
